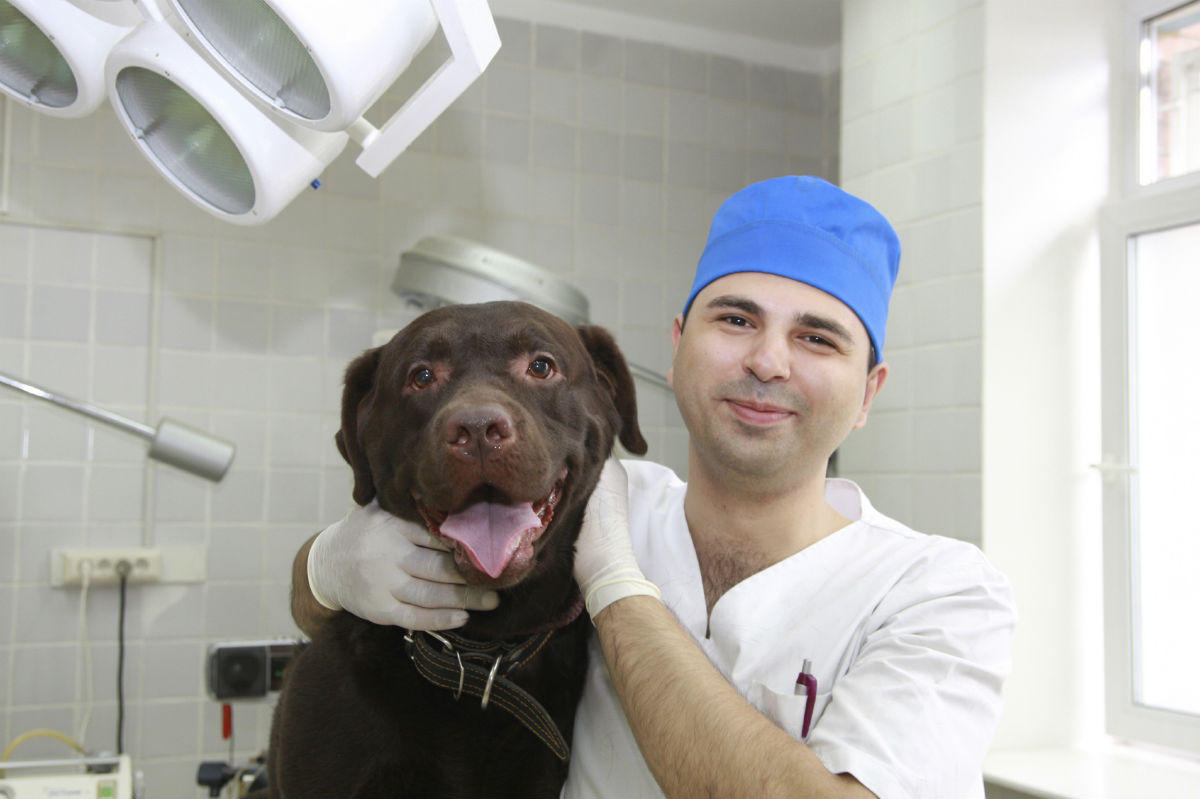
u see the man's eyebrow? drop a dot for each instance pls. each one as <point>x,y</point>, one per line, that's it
<point>818,322</point>
<point>736,303</point>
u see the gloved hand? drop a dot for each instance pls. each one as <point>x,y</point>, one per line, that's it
<point>605,567</point>
<point>390,571</point>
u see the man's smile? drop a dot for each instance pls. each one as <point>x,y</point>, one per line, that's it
<point>758,413</point>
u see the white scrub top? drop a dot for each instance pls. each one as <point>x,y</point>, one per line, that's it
<point>909,636</point>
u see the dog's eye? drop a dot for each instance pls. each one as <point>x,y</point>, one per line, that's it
<point>541,368</point>
<point>422,378</point>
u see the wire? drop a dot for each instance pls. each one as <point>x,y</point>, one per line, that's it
<point>123,569</point>
<point>84,682</point>
<point>39,733</point>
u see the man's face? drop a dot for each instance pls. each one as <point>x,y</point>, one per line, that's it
<point>770,375</point>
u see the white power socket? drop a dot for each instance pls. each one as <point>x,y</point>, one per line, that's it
<point>67,565</point>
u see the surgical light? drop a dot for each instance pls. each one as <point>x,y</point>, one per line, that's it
<point>322,64</point>
<point>52,52</point>
<point>241,104</point>
<point>204,135</point>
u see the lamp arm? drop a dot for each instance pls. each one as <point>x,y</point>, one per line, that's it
<point>177,444</point>
<point>91,411</point>
<point>471,33</point>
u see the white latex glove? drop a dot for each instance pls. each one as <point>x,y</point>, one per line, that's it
<point>605,567</point>
<point>390,571</point>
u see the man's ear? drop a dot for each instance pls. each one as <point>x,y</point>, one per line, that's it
<point>614,373</point>
<point>875,380</point>
<point>360,380</point>
<point>676,332</point>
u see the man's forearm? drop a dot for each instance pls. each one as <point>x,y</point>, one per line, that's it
<point>697,734</point>
<point>307,612</point>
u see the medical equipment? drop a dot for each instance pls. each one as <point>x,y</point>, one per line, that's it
<point>171,442</point>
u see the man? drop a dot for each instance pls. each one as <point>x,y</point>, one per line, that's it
<point>714,599</point>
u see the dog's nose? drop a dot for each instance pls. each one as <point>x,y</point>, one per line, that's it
<point>479,429</point>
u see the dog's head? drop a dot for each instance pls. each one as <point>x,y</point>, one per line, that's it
<point>490,423</point>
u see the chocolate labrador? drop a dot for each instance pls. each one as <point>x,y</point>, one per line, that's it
<point>489,424</point>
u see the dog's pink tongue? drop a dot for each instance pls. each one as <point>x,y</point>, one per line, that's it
<point>490,532</point>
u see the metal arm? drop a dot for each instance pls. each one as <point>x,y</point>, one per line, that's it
<point>171,442</point>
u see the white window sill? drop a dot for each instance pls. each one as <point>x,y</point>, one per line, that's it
<point>1107,771</point>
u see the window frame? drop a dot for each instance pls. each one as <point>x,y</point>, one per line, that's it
<point>1135,209</point>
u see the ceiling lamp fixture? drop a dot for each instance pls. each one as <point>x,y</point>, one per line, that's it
<point>52,52</point>
<point>204,136</point>
<point>241,104</point>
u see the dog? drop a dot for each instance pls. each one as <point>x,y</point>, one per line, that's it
<point>488,423</point>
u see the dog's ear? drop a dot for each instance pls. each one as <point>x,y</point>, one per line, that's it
<point>614,373</point>
<point>360,379</point>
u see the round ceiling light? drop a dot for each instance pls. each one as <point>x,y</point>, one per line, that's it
<point>205,137</point>
<point>52,54</point>
<point>185,138</point>
<point>321,64</point>
<point>30,65</point>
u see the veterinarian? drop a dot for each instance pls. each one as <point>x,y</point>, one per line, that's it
<point>761,630</point>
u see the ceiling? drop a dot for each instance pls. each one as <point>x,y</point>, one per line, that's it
<point>793,34</point>
<point>802,23</point>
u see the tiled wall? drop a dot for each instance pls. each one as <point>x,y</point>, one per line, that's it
<point>912,129</point>
<point>598,157</point>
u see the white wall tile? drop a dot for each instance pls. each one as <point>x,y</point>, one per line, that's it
<point>52,493</point>
<point>122,318</point>
<point>115,493</point>
<point>43,675</point>
<point>14,300</point>
<point>15,247</point>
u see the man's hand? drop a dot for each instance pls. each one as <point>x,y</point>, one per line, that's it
<point>605,567</point>
<point>390,571</point>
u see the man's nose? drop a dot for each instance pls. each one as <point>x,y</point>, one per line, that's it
<point>768,358</point>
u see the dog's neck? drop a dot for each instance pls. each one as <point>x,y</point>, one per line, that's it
<point>544,602</point>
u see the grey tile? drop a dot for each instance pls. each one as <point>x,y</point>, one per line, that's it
<point>726,170</point>
<point>600,103</point>
<point>806,92</point>
<point>646,63</point>
<point>556,48</point>
<point>601,56</point>
<point>687,70</point>
<point>508,89</point>
<point>243,326</point>
<point>553,145</point>
<point>769,86</point>
<point>122,318</point>
<point>645,110</point>
<point>555,95</point>
<point>60,314</point>
<point>460,133</point>
<point>642,158</point>
<point>687,117</point>
<point>516,41</point>
<point>12,310</point>
<point>599,151</point>
<point>506,140</point>
<point>727,78</point>
<point>599,200</point>
<point>687,164</point>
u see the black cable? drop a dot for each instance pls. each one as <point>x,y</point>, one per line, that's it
<point>124,575</point>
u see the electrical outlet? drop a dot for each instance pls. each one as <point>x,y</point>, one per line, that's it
<point>67,565</point>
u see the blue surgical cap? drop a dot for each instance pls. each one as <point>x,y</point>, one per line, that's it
<point>809,230</point>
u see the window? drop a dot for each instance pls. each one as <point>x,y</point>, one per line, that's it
<point>1150,337</point>
<point>1164,282</point>
<point>1169,94</point>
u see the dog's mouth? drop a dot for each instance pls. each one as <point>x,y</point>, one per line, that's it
<point>491,532</point>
